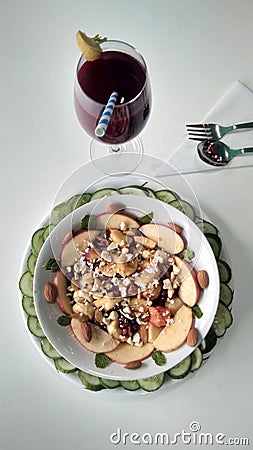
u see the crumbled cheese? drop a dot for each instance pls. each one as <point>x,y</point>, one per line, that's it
<point>176,269</point>
<point>122,226</point>
<point>170,293</point>
<point>123,291</point>
<point>136,338</point>
<point>167,284</point>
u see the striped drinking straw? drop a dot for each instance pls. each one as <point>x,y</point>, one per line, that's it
<point>106,115</point>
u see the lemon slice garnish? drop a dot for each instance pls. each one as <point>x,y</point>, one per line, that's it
<point>89,46</point>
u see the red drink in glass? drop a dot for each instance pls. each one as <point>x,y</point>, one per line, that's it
<point>96,80</point>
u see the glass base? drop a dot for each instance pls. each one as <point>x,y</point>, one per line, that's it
<point>112,159</point>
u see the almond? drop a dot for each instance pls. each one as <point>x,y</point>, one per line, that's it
<point>192,337</point>
<point>50,292</point>
<point>203,278</point>
<point>175,227</point>
<point>133,365</point>
<point>87,332</point>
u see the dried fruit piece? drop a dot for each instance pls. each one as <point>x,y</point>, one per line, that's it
<point>159,316</point>
<point>203,278</point>
<point>192,337</point>
<point>50,292</point>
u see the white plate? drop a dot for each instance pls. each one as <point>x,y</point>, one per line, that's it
<point>63,339</point>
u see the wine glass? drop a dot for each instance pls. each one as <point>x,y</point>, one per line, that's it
<point>120,68</point>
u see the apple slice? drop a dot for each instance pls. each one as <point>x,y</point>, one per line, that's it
<point>164,236</point>
<point>79,241</point>
<point>153,332</point>
<point>126,353</point>
<point>175,334</point>
<point>174,305</point>
<point>62,299</point>
<point>100,342</point>
<point>107,220</point>
<point>189,290</point>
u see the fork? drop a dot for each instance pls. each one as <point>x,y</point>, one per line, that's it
<point>203,131</point>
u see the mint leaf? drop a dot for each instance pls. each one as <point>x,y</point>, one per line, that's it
<point>145,219</point>
<point>159,358</point>
<point>51,264</point>
<point>197,311</point>
<point>64,321</point>
<point>99,39</point>
<point>101,360</point>
<point>88,222</point>
<point>187,254</point>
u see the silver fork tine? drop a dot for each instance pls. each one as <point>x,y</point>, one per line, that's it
<point>206,132</point>
<point>197,125</point>
<point>195,137</point>
<point>199,131</point>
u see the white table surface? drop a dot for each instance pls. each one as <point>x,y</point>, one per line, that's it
<point>195,50</point>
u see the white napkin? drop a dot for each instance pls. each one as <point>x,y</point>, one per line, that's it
<point>234,107</point>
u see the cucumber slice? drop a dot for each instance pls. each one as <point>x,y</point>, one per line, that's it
<point>133,190</point>
<point>48,349</point>
<point>37,241</point>
<point>219,323</point>
<point>196,359</point>
<point>59,212</point>
<point>26,284</point>
<point>215,243</point>
<point>34,326</point>
<point>210,341</point>
<point>47,231</point>
<point>109,384</point>
<point>184,207</point>
<point>91,382</point>
<point>72,202</point>
<point>130,385</point>
<point>31,262</point>
<point>64,366</point>
<point>28,306</point>
<point>181,369</point>
<point>166,196</point>
<point>151,384</point>
<point>206,227</point>
<point>84,198</point>
<point>103,193</point>
<point>202,345</point>
<point>226,314</point>
<point>149,191</point>
<point>224,271</point>
<point>226,294</point>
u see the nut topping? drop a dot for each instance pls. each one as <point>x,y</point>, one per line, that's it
<point>203,279</point>
<point>50,292</point>
<point>192,337</point>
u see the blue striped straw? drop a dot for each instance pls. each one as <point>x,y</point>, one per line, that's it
<point>106,115</point>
